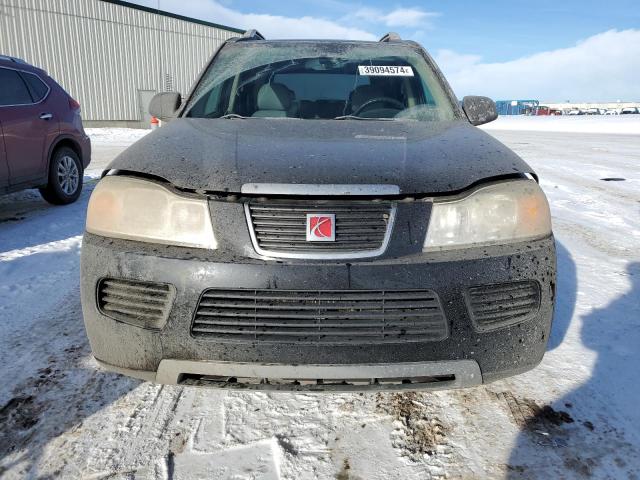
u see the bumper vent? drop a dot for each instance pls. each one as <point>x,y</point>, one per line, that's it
<point>320,317</point>
<point>279,228</point>
<point>495,306</point>
<point>143,304</point>
<point>320,385</point>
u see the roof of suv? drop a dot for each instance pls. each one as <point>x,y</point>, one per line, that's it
<point>18,63</point>
<point>255,36</point>
<point>7,58</point>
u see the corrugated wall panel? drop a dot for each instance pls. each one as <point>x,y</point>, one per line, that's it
<point>103,53</point>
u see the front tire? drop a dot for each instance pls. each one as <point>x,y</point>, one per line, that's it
<point>65,178</point>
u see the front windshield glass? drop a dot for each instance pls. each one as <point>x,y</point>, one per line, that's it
<point>307,80</point>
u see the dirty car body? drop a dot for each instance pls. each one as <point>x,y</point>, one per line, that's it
<point>319,216</point>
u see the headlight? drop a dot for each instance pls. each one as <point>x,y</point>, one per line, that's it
<point>498,213</point>
<point>135,209</point>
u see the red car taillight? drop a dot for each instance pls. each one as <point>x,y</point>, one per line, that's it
<point>73,104</point>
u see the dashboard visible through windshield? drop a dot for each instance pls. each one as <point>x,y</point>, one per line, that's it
<point>307,83</point>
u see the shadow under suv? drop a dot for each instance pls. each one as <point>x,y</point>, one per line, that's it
<point>42,142</point>
<point>319,215</point>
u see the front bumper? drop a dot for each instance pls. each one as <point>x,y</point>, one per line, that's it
<point>468,355</point>
<point>85,146</point>
<point>343,378</point>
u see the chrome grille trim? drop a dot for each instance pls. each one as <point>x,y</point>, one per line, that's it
<point>313,251</point>
<point>318,189</point>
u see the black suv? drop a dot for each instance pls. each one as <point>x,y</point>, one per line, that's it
<point>319,215</point>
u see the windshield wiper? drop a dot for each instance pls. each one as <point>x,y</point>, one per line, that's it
<point>355,117</point>
<point>232,115</point>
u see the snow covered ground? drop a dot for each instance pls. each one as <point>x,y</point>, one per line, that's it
<point>124,137</point>
<point>618,124</point>
<point>575,416</point>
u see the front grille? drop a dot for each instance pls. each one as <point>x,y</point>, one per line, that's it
<point>498,305</point>
<point>279,227</point>
<point>320,317</point>
<point>144,304</point>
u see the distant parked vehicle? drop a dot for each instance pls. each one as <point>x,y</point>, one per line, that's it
<point>629,111</point>
<point>575,112</point>
<point>42,142</point>
<point>592,111</point>
<point>611,111</point>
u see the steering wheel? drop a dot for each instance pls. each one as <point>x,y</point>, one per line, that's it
<point>387,100</point>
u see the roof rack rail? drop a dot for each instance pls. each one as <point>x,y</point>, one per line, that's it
<point>9,58</point>
<point>391,37</point>
<point>252,34</point>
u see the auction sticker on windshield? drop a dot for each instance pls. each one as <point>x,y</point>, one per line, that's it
<point>388,70</point>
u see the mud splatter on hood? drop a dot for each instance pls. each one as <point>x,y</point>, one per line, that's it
<point>222,155</point>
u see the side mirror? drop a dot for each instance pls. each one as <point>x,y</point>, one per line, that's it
<point>165,105</point>
<point>479,110</point>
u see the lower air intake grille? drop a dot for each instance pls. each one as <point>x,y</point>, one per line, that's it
<point>320,317</point>
<point>144,304</point>
<point>495,306</point>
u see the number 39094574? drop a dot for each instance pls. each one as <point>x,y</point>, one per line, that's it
<point>391,70</point>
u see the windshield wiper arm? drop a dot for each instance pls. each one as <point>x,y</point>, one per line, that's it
<point>232,115</point>
<point>355,117</point>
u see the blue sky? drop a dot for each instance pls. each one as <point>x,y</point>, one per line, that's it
<point>585,50</point>
<point>497,30</point>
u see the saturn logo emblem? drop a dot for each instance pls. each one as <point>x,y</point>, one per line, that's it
<point>321,227</point>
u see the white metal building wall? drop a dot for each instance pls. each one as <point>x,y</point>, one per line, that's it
<point>103,53</point>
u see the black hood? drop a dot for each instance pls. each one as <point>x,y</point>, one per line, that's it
<point>221,155</point>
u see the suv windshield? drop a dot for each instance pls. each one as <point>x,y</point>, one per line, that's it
<point>312,80</point>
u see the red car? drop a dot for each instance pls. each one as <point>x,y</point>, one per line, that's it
<point>42,142</point>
